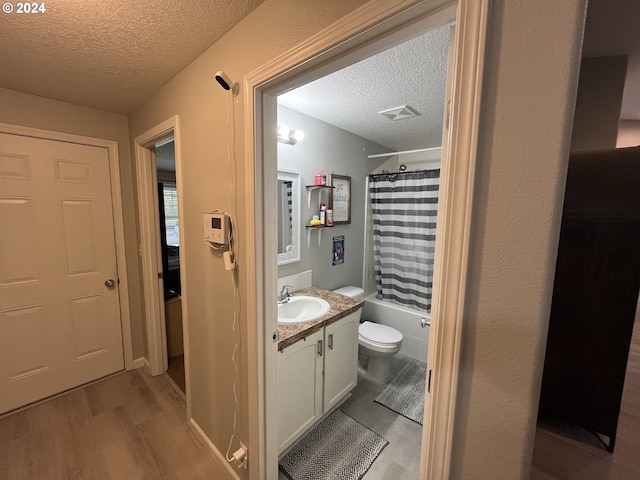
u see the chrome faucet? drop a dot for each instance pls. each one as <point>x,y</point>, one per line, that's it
<point>285,294</point>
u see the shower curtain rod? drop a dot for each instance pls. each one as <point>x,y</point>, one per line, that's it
<point>391,154</point>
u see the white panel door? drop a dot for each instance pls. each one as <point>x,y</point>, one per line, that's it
<point>59,321</point>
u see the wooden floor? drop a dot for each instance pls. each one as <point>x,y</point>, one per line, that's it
<point>564,452</point>
<point>130,426</point>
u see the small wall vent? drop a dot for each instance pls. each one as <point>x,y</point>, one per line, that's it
<point>399,113</point>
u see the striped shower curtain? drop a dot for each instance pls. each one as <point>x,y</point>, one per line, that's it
<point>404,208</point>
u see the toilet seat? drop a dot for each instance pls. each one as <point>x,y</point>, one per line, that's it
<point>380,335</point>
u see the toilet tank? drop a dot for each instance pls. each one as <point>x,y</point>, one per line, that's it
<point>350,291</point>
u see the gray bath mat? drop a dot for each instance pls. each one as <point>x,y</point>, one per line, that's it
<point>339,448</point>
<point>404,394</point>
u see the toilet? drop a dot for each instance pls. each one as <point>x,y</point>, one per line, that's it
<point>376,343</point>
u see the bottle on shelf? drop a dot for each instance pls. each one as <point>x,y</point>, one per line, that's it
<point>323,214</point>
<point>329,216</point>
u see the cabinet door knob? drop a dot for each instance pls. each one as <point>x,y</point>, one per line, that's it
<point>424,323</point>
<point>320,347</point>
<point>330,341</point>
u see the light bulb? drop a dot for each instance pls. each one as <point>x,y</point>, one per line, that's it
<point>298,135</point>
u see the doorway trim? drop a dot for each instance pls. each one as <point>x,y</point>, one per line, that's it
<point>118,218</point>
<point>321,54</point>
<point>149,251</point>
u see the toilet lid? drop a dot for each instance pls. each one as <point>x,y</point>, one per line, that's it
<point>381,334</point>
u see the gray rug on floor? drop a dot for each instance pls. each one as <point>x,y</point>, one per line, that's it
<point>339,448</point>
<point>404,394</point>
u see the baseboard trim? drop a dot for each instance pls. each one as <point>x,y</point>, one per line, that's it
<point>141,362</point>
<point>219,457</point>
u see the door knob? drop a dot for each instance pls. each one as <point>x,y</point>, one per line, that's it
<point>110,284</point>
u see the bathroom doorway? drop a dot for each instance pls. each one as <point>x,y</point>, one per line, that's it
<point>361,140</point>
<point>320,57</point>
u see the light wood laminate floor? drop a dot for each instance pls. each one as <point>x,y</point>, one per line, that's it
<point>565,452</point>
<point>129,426</point>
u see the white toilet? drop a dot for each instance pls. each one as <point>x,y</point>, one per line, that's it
<point>376,343</point>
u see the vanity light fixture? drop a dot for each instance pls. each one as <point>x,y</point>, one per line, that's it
<point>288,135</point>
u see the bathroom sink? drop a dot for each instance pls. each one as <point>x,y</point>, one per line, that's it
<point>302,308</point>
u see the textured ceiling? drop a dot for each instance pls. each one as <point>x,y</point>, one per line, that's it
<point>114,54</point>
<point>413,73</point>
<point>109,54</point>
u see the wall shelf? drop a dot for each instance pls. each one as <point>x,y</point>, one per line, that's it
<point>319,228</point>
<point>313,188</point>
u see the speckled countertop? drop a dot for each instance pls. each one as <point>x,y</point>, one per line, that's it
<point>340,307</point>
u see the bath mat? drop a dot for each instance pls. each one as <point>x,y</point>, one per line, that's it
<point>338,448</point>
<point>404,394</point>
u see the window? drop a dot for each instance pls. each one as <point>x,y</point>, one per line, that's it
<point>170,197</point>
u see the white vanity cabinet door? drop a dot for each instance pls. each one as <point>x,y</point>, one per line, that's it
<point>299,388</point>
<point>341,359</point>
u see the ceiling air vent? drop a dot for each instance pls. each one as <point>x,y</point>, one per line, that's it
<point>399,113</point>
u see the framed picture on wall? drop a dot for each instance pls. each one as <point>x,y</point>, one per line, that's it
<point>341,198</point>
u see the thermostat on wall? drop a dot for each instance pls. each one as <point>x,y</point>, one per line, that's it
<point>216,228</point>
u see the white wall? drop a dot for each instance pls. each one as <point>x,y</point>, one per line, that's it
<point>328,149</point>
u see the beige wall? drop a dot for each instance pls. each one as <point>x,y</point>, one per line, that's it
<point>273,28</point>
<point>598,104</point>
<point>37,112</point>
<point>527,109</point>
<point>530,84</point>
<point>628,133</point>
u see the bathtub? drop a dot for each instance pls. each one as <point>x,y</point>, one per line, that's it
<point>409,322</point>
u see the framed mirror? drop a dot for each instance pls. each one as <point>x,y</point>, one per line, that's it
<point>288,217</point>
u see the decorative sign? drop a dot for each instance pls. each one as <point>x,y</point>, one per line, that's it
<point>341,198</point>
<point>338,250</point>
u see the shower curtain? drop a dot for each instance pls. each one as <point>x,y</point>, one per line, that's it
<point>404,209</point>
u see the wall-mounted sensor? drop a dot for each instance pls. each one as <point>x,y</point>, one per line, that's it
<point>226,83</point>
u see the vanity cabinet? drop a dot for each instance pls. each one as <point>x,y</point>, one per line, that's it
<point>299,388</point>
<point>314,375</point>
<point>341,359</point>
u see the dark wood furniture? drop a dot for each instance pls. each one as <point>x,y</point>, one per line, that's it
<point>595,291</point>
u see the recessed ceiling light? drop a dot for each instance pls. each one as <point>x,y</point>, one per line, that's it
<point>399,113</point>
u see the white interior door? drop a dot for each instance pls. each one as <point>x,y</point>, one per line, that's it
<point>60,321</point>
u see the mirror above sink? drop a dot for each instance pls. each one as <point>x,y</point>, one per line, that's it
<point>288,216</point>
